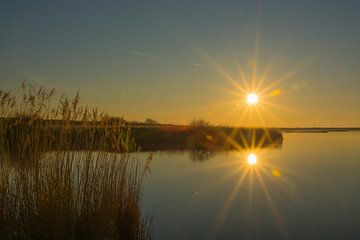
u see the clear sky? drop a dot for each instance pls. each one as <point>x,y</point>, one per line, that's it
<point>176,60</point>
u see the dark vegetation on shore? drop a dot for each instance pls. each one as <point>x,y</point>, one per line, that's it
<point>121,137</point>
<point>76,193</point>
<point>212,138</point>
<point>320,129</point>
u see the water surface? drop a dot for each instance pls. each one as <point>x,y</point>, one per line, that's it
<point>307,189</point>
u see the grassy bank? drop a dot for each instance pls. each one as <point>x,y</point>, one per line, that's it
<point>76,193</point>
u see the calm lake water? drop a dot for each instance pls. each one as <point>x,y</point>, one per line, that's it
<point>306,189</point>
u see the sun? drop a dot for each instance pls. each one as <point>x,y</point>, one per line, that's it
<point>252,98</point>
<point>252,159</point>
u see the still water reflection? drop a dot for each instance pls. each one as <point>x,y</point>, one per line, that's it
<point>308,189</point>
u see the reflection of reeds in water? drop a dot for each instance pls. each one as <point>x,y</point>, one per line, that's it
<point>66,194</point>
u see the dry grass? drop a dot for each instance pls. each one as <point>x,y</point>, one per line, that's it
<point>67,194</point>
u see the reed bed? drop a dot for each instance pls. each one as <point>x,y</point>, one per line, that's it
<point>66,193</point>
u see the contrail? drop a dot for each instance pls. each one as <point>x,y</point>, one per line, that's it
<point>138,53</point>
<point>350,97</point>
<point>145,54</point>
<point>199,65</point>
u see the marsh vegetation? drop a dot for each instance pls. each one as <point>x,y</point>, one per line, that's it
<point>58,181</point>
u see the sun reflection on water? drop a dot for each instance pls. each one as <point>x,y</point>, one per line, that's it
<point>252,175</point>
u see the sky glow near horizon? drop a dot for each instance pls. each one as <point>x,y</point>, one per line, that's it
<point>177,60</point>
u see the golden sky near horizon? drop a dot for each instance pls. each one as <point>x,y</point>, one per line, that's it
<point>173,61</point>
